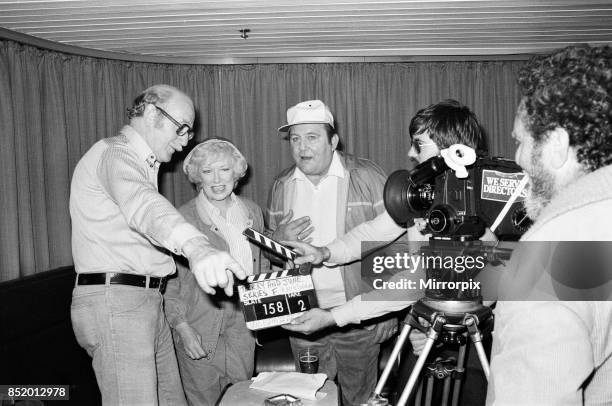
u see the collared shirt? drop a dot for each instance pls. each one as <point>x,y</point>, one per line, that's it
<point>319,202</point>
<point>120,222</point>
<point>348,248</point>
<point>231,227</point>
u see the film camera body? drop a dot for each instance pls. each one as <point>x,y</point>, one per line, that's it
<point>458,208</point>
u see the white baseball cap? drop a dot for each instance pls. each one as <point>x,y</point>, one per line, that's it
<point>308,112</point>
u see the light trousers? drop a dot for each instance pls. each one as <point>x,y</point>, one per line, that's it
<point>124,330</point>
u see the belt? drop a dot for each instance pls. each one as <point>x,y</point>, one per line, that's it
<point>141,281</point>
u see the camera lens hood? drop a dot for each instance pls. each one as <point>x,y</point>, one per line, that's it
<point>395,197</point>
<point>409,194</point>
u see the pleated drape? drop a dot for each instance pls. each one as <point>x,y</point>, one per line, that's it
<point>54,106</point>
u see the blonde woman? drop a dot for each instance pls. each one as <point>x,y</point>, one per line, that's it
<point>214,347</point>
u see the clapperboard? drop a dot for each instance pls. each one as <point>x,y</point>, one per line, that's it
<point>275,298</point>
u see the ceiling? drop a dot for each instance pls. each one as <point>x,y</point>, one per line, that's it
<point>202,31</point>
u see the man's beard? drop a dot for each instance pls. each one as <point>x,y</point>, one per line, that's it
<point>541,186</point>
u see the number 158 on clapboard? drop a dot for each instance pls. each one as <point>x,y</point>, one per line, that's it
<point>275,298</point>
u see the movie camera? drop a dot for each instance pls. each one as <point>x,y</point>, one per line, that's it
<point>458,203</point>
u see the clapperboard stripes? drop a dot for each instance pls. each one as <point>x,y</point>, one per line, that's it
<point>275,298</point>
<point>273,275</point>
<point>270,243</point>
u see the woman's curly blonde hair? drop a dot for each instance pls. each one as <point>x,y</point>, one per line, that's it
<point>209,151</point>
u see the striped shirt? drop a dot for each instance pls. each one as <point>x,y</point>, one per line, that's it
<point>120,222</point>
<point>231,227</point>
<point>319,202</point>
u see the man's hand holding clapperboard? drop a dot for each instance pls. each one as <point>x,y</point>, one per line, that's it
<point>275,298</point>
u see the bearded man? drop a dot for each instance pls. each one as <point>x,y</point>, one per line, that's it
<point>552,343</point>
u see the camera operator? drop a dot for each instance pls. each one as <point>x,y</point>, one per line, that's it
<point>435,127</point>
<point>559,352</point>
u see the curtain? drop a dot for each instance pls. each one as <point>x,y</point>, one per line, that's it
<point>55,106</point>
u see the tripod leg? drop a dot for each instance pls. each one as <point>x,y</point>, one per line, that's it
<point>482,357</point>
<point>459,371</point>
<point>429,393</point>
<point>446,390</point>
<point>431,338</point>
<point>476,337</point>
<point>419,394</point>
<point>394,354</point>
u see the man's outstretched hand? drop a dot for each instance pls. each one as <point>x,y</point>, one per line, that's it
<point>311,321</point>
<point>308,253</point>
<point>212,267</point>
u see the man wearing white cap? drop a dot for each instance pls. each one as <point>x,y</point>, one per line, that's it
<point>323,196</point>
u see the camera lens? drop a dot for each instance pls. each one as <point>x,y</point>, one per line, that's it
<point>420,197</point>
<point>404,200</point>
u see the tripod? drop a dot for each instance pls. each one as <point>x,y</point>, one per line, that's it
<point>450,321</point>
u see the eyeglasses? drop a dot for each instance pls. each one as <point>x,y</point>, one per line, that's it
<point>418,147</point>
<point>182,130</point>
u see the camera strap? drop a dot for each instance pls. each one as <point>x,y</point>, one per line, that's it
<point>510,202</point>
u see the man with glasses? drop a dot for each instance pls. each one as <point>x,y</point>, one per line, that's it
<point>123,235</point>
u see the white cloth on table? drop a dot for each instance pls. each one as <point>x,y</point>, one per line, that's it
<point>303,386</point>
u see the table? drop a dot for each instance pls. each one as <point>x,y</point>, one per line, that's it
<point>240,394</point>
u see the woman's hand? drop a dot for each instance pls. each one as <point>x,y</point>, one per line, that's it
<point>192,341</point>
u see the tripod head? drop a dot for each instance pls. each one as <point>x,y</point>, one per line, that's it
<point>451,267</point>
<point>453,318</point>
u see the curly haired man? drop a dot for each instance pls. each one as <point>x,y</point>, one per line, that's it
<point>555,348</point>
